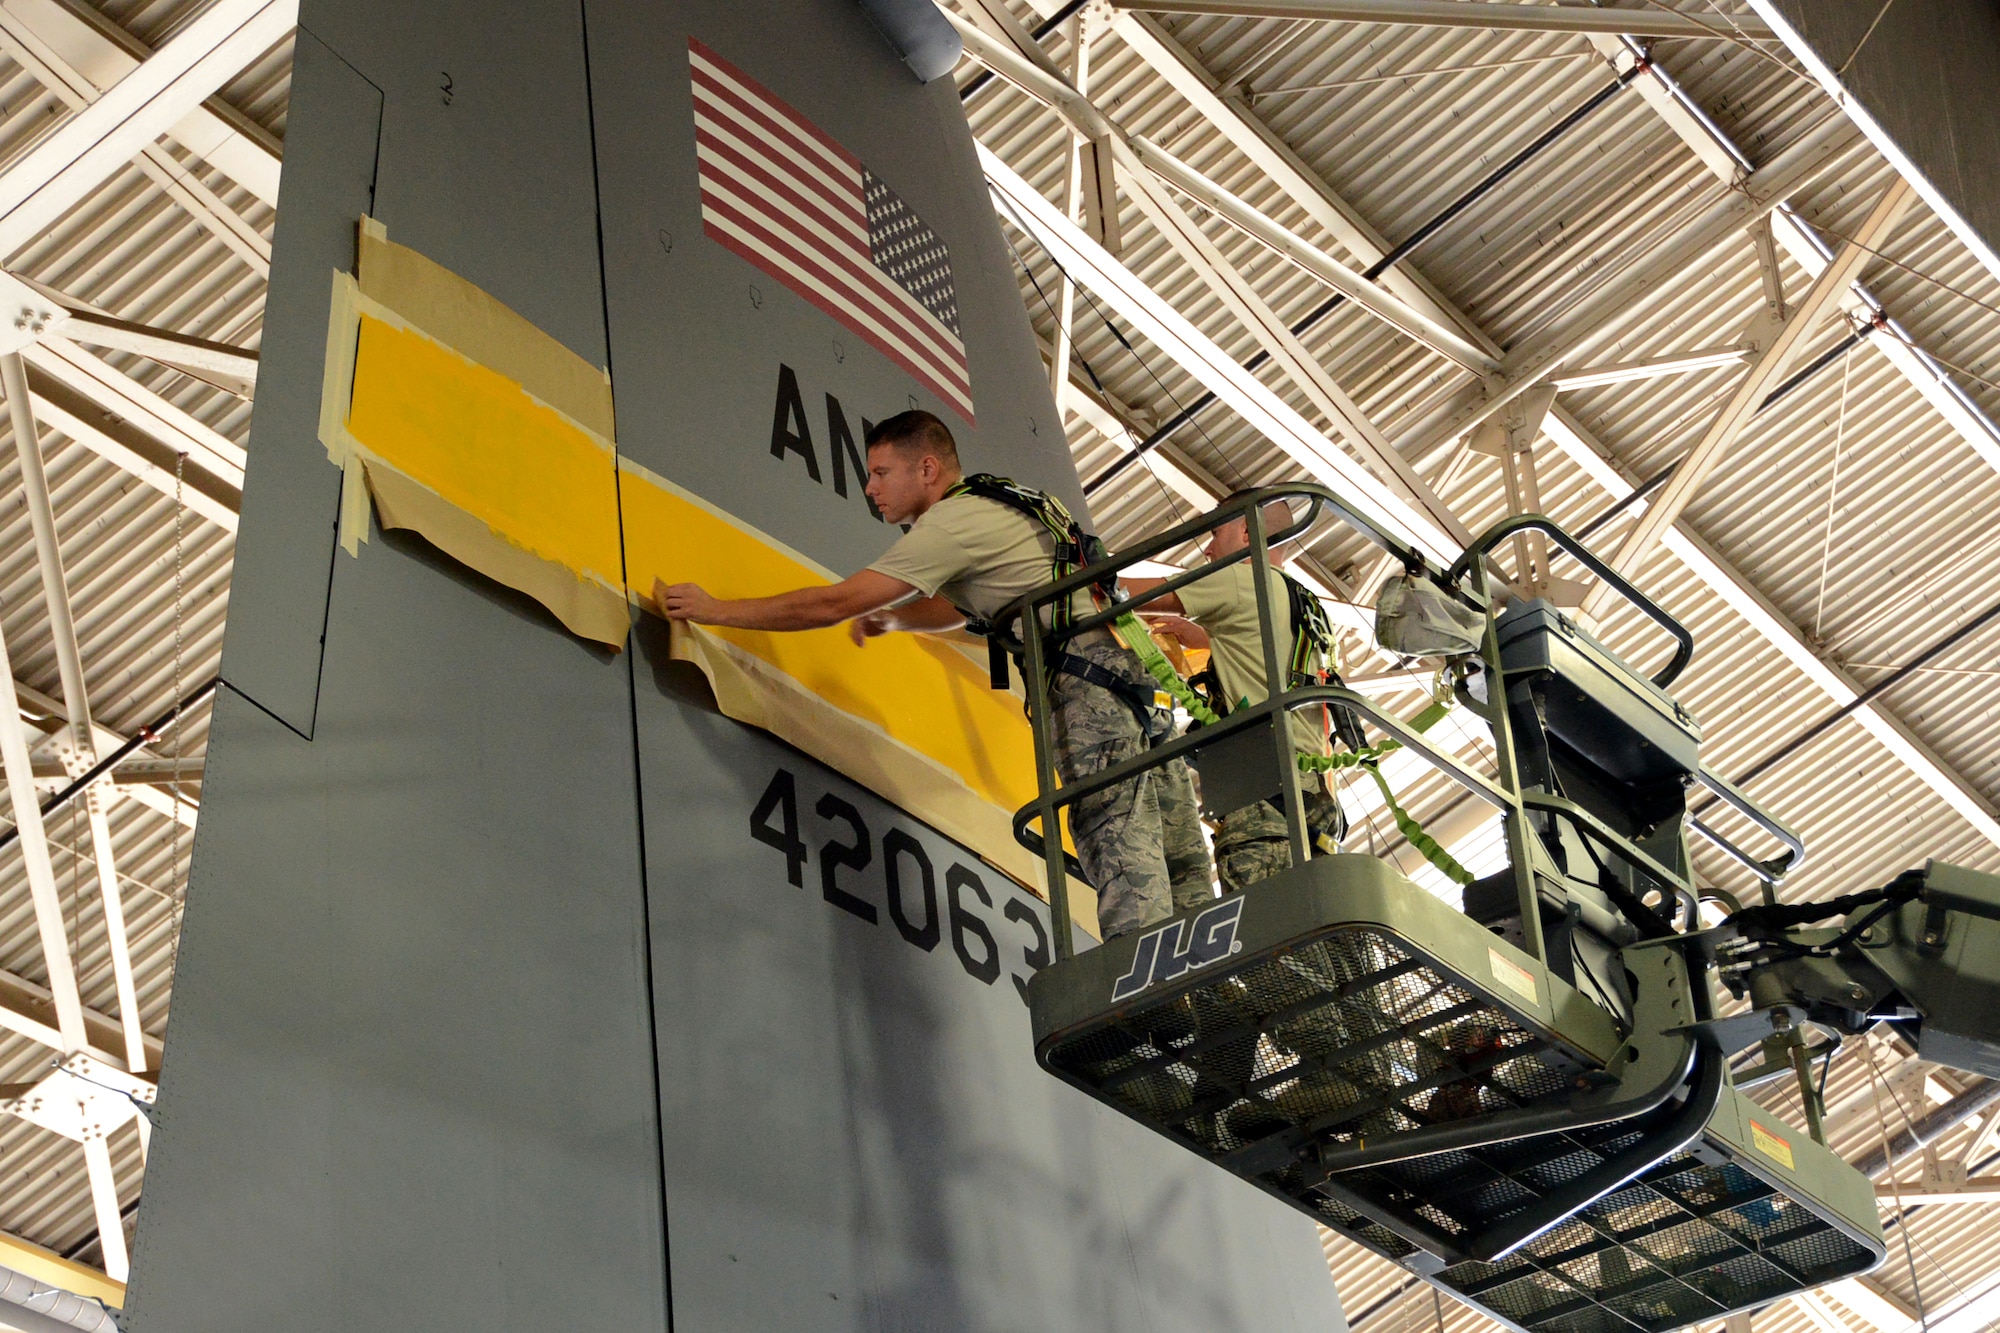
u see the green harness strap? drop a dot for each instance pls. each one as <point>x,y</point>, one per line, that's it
<point>1136,637</point>
<point>1406,824</point>
<point>1072,548</point>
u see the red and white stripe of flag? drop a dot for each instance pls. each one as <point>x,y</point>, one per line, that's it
<point>787,198</point>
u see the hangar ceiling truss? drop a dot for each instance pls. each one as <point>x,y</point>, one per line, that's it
<point>1639,252</point>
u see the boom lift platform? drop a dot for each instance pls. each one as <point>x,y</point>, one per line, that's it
<point>1527,1102</point>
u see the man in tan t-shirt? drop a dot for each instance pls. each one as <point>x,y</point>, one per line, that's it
<point>1139,842</point>
<point>1250,843</point>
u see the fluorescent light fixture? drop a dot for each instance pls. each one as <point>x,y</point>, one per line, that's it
<point>1975,1316</point>
<point>1869,1305</point>
<point>1591,376</point>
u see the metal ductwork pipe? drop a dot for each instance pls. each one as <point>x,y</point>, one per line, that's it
<point>36,1307</point>
<point>924,38</point>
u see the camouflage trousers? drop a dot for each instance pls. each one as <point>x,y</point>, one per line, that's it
<point>1252,843</point>
<point>1139,842</point>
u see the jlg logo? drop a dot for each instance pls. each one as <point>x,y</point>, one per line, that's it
<point>1179,947</point>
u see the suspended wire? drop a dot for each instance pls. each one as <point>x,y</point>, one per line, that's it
<point>1734,35</point>
<point>1889,1152</point>
<point>1972,375</point>
<point>1172,397</point>
<point>1855,54</point>
<point>1083,290</point>
<point>1913,271</point>
<point>1174,502</point>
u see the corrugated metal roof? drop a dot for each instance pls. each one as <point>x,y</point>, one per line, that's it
<point>1873,570</point>
<point>138,582</point>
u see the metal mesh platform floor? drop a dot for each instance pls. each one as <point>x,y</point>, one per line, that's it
<point>1689,1241</point>
<point>1353,1035</point>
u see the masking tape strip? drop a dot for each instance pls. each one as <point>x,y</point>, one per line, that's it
<point>909,718</point>
<point>482,442</point>
<point>753,691</point>
<point>588,610</point>
<point>343,332</point>
<point>917,690</point>
<point>473,322</point>
<point>590,605</point>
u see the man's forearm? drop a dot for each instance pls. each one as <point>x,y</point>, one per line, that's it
<point>1146,602</point>
<point>800,609</point>
<point>928,615</point>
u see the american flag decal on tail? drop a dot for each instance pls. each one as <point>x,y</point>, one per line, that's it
<point>783,195</point>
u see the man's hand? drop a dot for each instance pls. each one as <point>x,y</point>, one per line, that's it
<point>1180,628</point>
<point>683,601</point>
<point>863,628</point>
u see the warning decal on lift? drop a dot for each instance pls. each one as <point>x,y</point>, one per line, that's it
<point>1512,975</point>
<point>1773,1147</point>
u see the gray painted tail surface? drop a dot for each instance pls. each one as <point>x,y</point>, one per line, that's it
<point>509,998</point>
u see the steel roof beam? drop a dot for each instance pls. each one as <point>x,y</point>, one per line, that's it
<point>1832,81</point>
<point>1804,319</point>
<point>1243,129</point>
<point>118,443</point>
<point>118,393</point>
<point>233,369</point>
<point>28,1010</point>
<point>72,87</point>
<point>41,874</point>
<point>1310,259</point>
<point>161,803</point>
<point>1202,490</point>
<point>1196,353</point>
<point>93,402</point>
<point>1075,160</point>
<point>1776,629</point>
<point>1271,155</point>
<point>226,366</point>
<point>1223,281</point>
<point>1290,354</point>
<point>1976,1189</point>
<point>93,53</point>
<point>1614,304</point>
<point>83,152</point>
<point>1586,377</point>
<point>1724,160</point>
<point>81,753</point>
<point>1502,14</point>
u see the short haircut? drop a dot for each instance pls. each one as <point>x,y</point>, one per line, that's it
<point>916,433</point>
<point>1277,513</point>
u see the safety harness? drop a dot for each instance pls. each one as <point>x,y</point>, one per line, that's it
<point>1312,640</point>
<point>1071,549</point>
